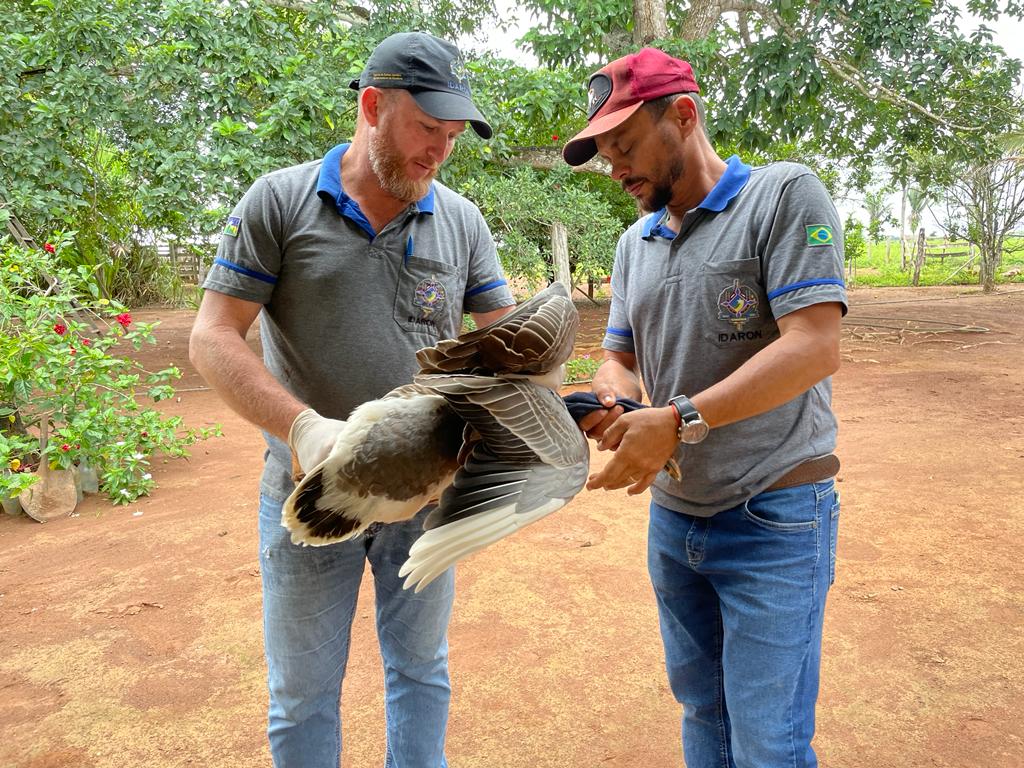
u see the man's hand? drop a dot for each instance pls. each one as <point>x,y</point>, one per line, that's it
<point>643,442</point>
<point>594,424</point>
<point>311,439</point>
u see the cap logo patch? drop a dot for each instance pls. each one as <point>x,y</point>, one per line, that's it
<point>597,94</point>
<point>458,68</point>
<point>231,228</point>
<point>819,234</point>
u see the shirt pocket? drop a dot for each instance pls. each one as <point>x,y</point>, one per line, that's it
<point>427,297</point>
<point>735,305</point>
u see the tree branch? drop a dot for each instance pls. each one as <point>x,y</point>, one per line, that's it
<point>352,14</point>
<point>546,159</point>
<point>854,77</point>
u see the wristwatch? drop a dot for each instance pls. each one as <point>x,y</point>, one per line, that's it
<point>692,427</point>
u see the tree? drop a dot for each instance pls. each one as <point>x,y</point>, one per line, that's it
<point>877,205</point>
<point>859,81</point>
<point>989,200</point>
<point>185,101</point>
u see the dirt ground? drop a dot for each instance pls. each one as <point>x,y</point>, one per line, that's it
<point>131,636</point>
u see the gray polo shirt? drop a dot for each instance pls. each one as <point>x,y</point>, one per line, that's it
<point>344,307</point>
<point>694,306</point>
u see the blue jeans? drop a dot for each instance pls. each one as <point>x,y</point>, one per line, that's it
<point>309,600</point>
<point>741,598</point>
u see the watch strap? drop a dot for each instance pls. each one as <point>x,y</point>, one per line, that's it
<point>685,410</point>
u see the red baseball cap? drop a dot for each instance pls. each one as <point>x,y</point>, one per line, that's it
<point>619,89</point>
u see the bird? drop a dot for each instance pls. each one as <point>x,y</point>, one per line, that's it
<point>481,432</point>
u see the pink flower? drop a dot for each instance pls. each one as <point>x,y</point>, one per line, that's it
<point>48,247</point>
<point>60,329</point>
<point>125,319</point>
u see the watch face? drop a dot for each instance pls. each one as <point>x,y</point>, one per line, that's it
<point>694,431</point>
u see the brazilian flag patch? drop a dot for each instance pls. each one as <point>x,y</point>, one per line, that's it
<point>819,234</point>
<point>234,222</point>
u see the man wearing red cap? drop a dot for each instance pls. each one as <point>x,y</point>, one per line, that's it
<point>726,303</point>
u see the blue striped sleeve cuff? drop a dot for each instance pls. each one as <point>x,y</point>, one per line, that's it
<point>245,271</point>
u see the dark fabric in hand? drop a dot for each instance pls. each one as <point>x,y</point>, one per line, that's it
<point>582,403</point>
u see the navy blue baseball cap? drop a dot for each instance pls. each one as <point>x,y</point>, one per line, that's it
<point>432,70</point>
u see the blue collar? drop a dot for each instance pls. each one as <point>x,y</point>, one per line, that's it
<point>735,178</point>
<point>328,188</point>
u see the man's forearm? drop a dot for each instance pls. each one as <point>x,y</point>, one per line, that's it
<point>228,365</point>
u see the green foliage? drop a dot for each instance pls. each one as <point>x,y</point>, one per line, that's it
<point>854,245</point>
<point>581,369</point>
<point>874,268</point>
<point>521,204</point>
<point>859,82</point>
<point>142,115</point>
<point>55,365</point>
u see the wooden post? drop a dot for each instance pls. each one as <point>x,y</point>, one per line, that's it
<point>560,254</point>
<point>919,256</point>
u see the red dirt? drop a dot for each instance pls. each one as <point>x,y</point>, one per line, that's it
<point>131,635</point>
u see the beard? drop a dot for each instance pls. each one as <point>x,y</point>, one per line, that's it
<point>388,163</point>
<point>662,188</point>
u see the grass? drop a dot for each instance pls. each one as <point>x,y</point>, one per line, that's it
<point>878,270</point>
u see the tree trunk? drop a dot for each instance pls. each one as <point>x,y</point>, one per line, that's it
<point>700,19</point>
<point>560,254</point>
<point>919,256</point>
<point>650,21</point>
<point>990,257</point>
<point>903,228</point>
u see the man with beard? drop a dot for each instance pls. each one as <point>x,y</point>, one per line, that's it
<point>352,263</point>
<point>726,303</point>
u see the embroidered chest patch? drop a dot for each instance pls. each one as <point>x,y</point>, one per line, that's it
<point>429,296</point>
<point>738,304</point>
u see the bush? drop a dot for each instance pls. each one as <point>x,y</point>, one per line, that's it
<point>581,369</point>
<point>60,360</point>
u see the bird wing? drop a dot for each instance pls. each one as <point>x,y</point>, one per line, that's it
<point>536,337</point>
<point>530,461</point>
<point>487,501</point>
<point>517,419</point>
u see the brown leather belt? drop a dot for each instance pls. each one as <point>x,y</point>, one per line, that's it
<point>811,471</point>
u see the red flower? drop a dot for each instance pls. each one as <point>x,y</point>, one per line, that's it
<point>72,350</point>
<point>48,247</point>
<point>86,342</point>
<point>65,447</point>
<point>60,329</point>
<point>125,319</point>
<point>554,137</point>
<point>145,434</point>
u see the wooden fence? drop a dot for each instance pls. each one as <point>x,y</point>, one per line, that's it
<point>189,261</point>
<point>944,250</point>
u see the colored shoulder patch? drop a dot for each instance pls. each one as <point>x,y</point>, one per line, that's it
<point>819,234</point>
<point>231,228</point>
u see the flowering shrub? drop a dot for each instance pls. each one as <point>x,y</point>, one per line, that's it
<point>61,358</point>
